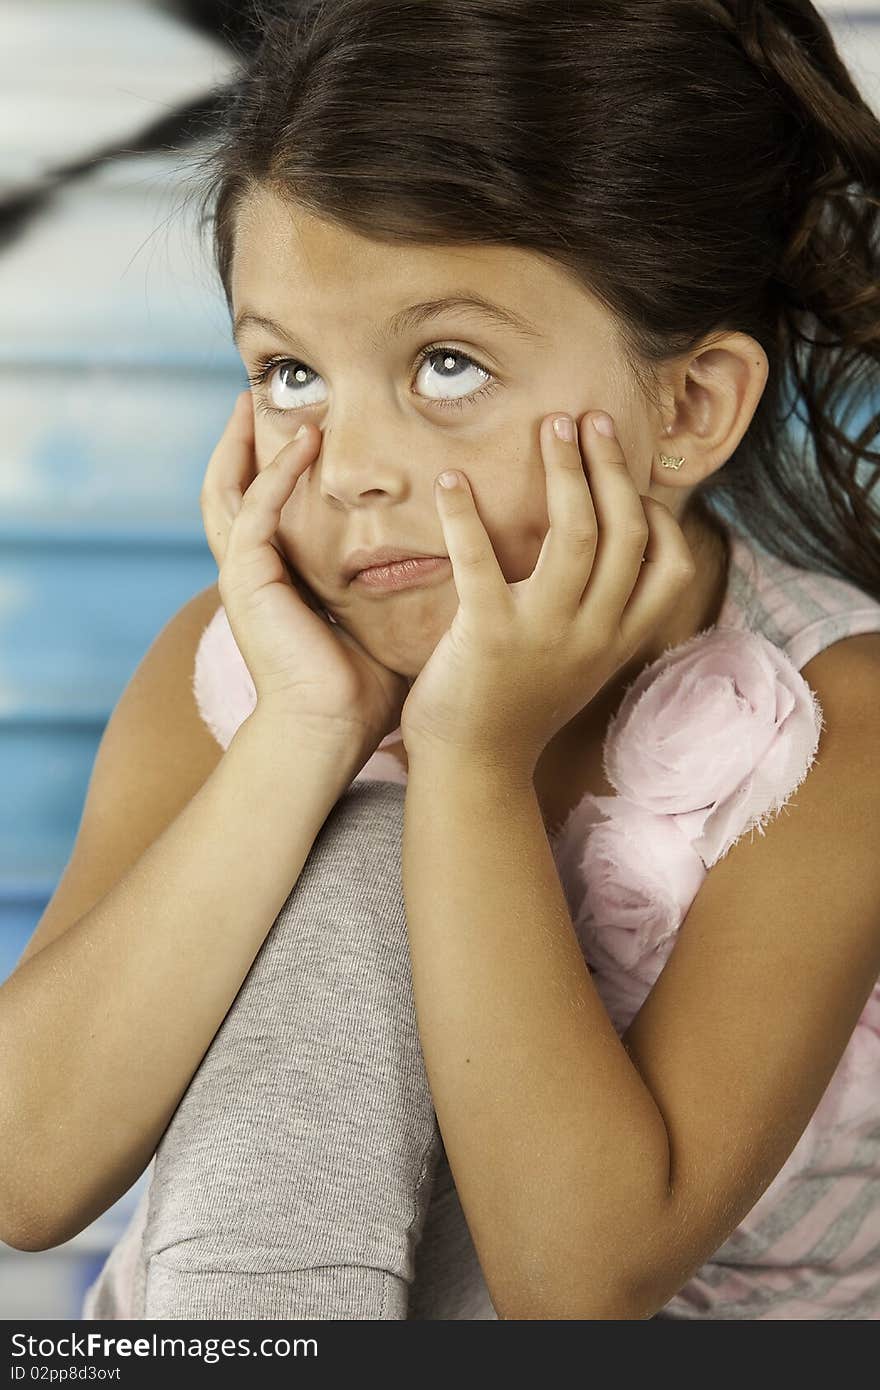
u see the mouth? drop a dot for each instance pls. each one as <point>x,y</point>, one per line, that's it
<point>404,574</point>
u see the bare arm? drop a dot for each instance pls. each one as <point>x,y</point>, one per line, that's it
<point>103,1029</point>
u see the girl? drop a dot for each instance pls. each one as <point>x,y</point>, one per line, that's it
<point>610,1055</point>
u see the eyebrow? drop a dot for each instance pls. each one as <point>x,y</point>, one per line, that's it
<point>405,320</point>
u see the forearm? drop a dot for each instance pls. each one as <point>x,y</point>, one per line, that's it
<point>102,1031</point>
<point>559,1152</point>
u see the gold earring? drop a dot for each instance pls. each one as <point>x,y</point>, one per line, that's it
<point>667,460</point>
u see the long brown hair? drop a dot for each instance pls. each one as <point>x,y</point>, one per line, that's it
<point>698,165</point>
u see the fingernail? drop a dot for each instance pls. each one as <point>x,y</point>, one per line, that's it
<point>448,480</point>
<point>603,424</point>
<point>563,428</point>
<point>301,431</point>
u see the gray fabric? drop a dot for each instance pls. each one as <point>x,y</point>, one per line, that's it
<point>296,1175</point>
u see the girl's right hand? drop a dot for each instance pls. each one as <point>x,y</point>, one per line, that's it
<point>313,672</point>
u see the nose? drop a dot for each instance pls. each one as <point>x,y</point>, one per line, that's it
<point>362,463</point>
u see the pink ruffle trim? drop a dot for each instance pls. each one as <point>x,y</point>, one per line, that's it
<point>224,692</point>
<point>710,742</point>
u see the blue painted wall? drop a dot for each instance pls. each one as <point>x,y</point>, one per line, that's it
<point>117,375</point>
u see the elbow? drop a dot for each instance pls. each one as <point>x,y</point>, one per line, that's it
<point>25,1243</point>
<point>578,1304</point>
<point>594,1294</point>
<point>620,1308</point>
<point>34,1238</point>
<point>18,1229</point>
<point>595,1310</point>
<point>22,1228</point>
<point>23,1234</point>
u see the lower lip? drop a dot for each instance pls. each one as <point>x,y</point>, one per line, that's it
<point>404,574</point>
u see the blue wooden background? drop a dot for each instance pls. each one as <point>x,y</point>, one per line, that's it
<point>117,374</point>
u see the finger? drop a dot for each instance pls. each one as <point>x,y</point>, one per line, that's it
<point>260,513</point>
<point>478,579</point>
<point>623,526</point>
<point>667,571</point>
<point>566,559</point>
<point>229,471</point>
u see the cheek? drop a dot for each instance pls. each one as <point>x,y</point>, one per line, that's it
<point>293,537</point>
<point>516,520</point>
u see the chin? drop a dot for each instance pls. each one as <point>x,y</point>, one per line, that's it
<point>404,653</point>
<point>401,638</point>
<point>404,661</point>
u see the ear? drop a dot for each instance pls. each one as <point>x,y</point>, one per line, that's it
<point>712,395</point>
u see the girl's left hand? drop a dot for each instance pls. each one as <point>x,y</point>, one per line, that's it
<point>520,660</point>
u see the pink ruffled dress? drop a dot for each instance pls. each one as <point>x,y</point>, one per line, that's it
<point>710,742</point>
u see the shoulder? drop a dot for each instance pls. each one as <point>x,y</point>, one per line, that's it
<point>850,656</point>
<point>190,621</point>
<point>845,677</point>
<point>157,711</point>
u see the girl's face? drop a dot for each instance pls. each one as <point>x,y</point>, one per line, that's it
<point>391,422</point>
